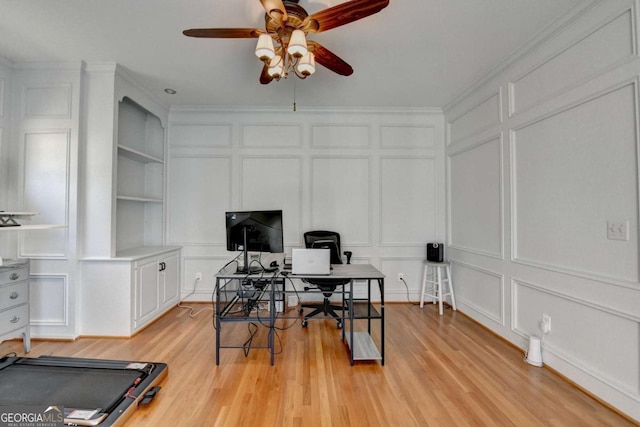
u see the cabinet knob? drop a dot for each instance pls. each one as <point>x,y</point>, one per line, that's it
<point>14,276</point>
<point>14,295</point>
<point>15,319</point>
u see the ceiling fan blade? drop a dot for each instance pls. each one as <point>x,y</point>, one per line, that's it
<point>224,33</point>
<point>342,14</point>
<point>265,78</point>
<point>329,59</point>
<point>275,9</point>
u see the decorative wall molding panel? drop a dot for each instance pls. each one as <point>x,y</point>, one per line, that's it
<point>48,298</point>
<point>475,172</point>
<point>480,289</point>
<point>409,137</point>
<point>408,213</point>
<point>260,175</point>
<point>554,187</point>
<point>481,116</point>
<point>202,135</point>
<point>338,135</point>
<point>614,41</point>
<point>276,135</point>
<point>51,101</point>
<point>199,194</point>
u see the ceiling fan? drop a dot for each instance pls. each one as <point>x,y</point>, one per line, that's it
<point>282,45</point>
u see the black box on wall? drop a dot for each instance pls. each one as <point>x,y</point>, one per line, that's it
<point>435,252</point>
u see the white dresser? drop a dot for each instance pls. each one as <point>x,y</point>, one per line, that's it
<point>14,301</point>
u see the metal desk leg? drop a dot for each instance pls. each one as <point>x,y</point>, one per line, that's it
<point>217,321</point>
<point>381,286</point>
<point>351,339</point>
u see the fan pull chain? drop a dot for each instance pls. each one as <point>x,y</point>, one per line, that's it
<point>294,95</point>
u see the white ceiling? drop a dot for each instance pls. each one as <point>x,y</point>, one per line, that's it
<point>414,53</point>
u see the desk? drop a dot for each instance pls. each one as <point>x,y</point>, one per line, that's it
<point>361,345</point>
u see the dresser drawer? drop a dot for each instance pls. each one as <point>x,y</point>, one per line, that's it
<point>14,294</point>
<point>13,275</point>
<point>14,318</point>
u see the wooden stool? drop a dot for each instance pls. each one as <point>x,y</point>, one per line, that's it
<point>433,274</point>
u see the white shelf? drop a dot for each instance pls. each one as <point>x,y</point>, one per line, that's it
<point>140,199</point>
<point>363,347</point>
<point>137,156</point>
<point>32,227</point>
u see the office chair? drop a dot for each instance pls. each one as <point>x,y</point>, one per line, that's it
<point>325,240</point>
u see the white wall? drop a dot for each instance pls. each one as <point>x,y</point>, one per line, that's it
<point>6,241</point>
<point>540,156</point>
<point>376,177</point>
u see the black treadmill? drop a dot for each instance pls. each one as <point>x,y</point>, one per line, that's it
<point>88,392</point>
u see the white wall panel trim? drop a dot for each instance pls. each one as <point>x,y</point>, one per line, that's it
<point>499,319</point>
<point>65,95</point>
<point>513,84</point>
<point>497,117</point>
<point>62,313</point>
<point>223,125</point>
<point>408,145</point>
<point>168,207</point>
<point>295,128</point>
<point>451,153</point>
<point>436,214</point>
<point>343,129</point>
<point>589,371</point>
<point>515,257</point>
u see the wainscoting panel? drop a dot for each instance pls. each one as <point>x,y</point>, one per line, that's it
<point>274,183</point>
<point>408,212</point>
<point>46,190</point>
<point>48,299</point>
<point>601,340</point>
<point>47,101</point>
<point>200,195</point>
<point>475,174</point>
<point>561,165</point>
<point>409,137</point>
<point>271,135</point>
<point>340,135</point>
<point>614,42</point>
<point>481,116</point>
<point>201,135</point>
<point>341,197</point>
<point>480,289</point>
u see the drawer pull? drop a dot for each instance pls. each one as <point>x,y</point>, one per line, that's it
<point>14,276</point>
<point>14,295</point>
<point>15,319</point>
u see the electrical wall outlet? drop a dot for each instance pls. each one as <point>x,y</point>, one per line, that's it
<point>400,277</point>
<point>292,300</point>
<point>546,323</point>
<point>618,230</point>
<point>198,276</point>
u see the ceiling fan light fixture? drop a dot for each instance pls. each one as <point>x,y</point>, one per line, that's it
<point>307,64</point>
<point>276,67</point>
<point>264,48</point>
<point>297,44</point>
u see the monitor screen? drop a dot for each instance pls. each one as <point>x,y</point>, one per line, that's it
<point>263,231</point>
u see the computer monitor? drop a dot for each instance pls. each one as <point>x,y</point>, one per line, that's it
<point>255,231</point>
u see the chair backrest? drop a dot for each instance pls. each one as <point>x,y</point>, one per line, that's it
<point>324,240</point>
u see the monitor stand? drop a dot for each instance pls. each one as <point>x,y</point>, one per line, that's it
<point>246,268</point>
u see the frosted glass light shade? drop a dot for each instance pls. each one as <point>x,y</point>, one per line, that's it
<point>264,48</point>
<point>307,64</point>
<point>297,44</point>
<point>276,67</point>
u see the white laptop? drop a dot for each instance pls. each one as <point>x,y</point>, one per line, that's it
<point>311,262</point>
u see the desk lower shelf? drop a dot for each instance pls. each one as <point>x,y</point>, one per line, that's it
<point>363,347</point>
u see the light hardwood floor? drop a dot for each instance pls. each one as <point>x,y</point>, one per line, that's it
<point>439,371</point>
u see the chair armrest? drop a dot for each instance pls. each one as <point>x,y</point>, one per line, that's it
<point>348,254</point>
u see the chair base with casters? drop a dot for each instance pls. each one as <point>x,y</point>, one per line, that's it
<point>325,308</point>
<point>433,276</point>
<point>325,240</point>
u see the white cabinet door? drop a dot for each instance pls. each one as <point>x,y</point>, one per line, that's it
<point>147,295</point>
<point>169,272</point>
